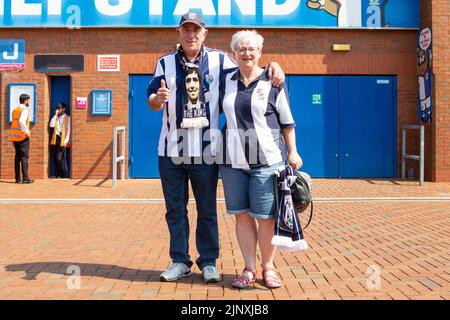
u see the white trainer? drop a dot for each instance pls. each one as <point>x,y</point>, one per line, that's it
<point>210,274</point>
<point>175,271</point>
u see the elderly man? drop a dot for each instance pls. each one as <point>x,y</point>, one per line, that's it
<point>187,152</point>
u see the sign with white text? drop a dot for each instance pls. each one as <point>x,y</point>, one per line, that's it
<point>108,63</point>
<point>101,103</point>
<point>81,103</point>
<point>216,13</point>
<point>12,54</point>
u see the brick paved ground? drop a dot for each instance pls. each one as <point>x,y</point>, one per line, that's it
<point>121,248</point>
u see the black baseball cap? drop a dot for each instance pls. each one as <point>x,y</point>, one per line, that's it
<point>192,17</point>
<point>61,105</point>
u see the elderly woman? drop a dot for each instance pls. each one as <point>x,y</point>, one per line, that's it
<point>258,117</point>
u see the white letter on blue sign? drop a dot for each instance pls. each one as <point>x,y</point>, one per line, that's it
<point>156,7</point>
<point>184,6</point>
<point>54,7</point>
<point>123,7</point>
<point>247,7</point>
<point>20,8</point>
<point>14,56</point>
<point>271,8</point>
<point>374,20</point>
<point>74,20</point>
<point>2,7</point>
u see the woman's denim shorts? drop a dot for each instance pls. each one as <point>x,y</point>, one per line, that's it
<point>250,190</point>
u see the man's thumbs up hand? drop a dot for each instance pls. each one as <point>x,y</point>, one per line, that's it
<point>163,93</point>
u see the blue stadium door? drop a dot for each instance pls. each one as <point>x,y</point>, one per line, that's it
<point>145,126</point>
<point>367,130</point>
<point>345,125</point>
<point>314,101</point>
<point>60,92</point>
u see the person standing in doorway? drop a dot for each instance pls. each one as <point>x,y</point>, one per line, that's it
<point>20,136</point>
<point>60,139</point>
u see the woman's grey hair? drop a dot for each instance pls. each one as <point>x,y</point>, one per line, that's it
<point>246,35</point>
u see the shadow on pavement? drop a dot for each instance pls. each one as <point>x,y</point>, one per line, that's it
<point>32,270</point>
<point>9,182</point>
<point>107,271</point>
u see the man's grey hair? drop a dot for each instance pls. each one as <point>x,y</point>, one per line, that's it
<point>246,35</point>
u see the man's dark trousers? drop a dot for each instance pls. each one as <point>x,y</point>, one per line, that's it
<point>21,158</point>
<point>175,180</point>
<point>59,156</point>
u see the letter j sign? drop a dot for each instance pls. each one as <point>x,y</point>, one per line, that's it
<point>12,54</point>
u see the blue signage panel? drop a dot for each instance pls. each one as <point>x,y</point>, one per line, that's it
<point>217,13</point>
<point>101,102</point>
<point>12,54</point>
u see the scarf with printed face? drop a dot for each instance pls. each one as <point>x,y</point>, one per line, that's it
<point>288,231</point>
<point>193,98</point>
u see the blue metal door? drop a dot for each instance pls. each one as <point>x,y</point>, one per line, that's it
<point>345,125</point>
<point>314,104</point>
<point>60,92</point>
<point>145,127</point>
<point>367,130</point>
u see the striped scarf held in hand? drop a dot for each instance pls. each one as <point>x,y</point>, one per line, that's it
<point>288,234</point>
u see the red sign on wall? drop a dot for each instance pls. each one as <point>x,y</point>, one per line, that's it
<point>81,103</point>
<point>108,63</point>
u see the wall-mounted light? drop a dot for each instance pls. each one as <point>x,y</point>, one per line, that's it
<point>341,47</point>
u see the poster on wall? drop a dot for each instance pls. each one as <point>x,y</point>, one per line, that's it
<point>101,102</point>
<point>424,70</point>
<point>14,92</point>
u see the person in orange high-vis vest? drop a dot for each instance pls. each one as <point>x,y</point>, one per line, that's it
<point>20,136</point>
<point>60,139</point>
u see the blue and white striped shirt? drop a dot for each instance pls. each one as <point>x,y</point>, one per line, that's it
<point>255,116</point>
<point>178,142</point>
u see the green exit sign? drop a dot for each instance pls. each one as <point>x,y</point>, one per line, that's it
<point>316,99</point>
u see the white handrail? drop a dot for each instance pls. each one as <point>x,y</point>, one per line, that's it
<point>117,159</point>
<point>420,157</point>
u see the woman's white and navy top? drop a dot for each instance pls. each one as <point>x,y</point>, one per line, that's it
<point>193,142</point>
<point>255,116</point>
